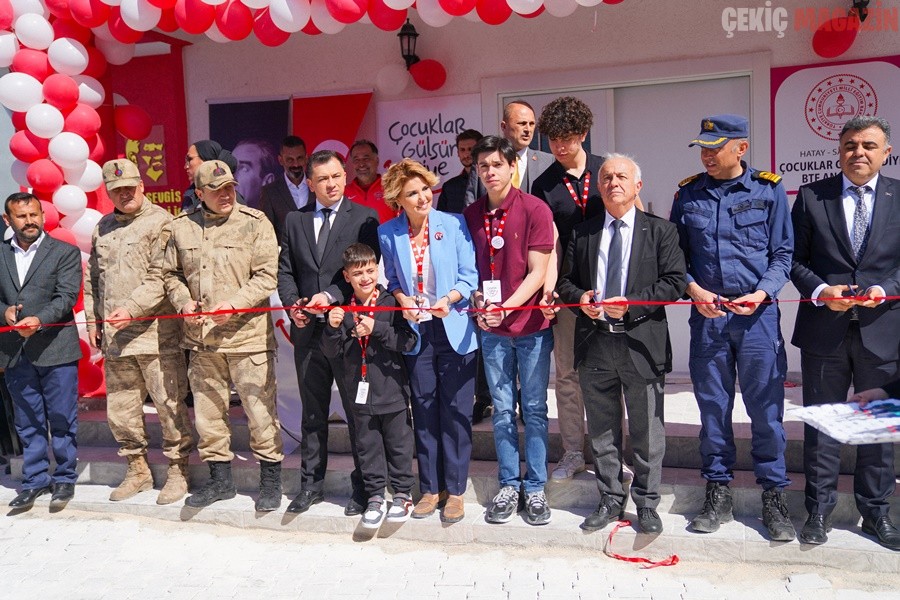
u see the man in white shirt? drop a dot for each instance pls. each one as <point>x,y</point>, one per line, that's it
<point>289,192</point>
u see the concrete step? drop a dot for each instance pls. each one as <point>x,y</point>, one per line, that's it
<point>682,490</point>
<point>742,540</point>
<point>682,443</point>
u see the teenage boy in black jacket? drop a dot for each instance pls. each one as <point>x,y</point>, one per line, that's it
<point>370,344</point>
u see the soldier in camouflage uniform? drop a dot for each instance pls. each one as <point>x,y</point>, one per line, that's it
<point>140,356</point>
<point>224,257</point>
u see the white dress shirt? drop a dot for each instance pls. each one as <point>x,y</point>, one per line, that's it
<point>24,258</point>
<point>318,220</point>
<point>300,193</point>
<point>627,232</point>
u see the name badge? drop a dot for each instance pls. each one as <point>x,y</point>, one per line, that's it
<point>424,313</point>
<point>492,292</point>
<point>362,392</point>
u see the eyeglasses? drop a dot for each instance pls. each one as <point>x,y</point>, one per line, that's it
<point>188,158</point>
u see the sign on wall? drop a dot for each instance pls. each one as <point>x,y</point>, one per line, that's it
<point>810,105</point>
<point>425,130</point>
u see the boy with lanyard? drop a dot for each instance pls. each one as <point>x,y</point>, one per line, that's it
<point>370,345</point>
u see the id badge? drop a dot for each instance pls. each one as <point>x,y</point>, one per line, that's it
<point>362,392</point>
<point>492,292</point>
<point>424,314</point>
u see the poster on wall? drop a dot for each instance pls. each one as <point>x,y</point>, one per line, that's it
<point>330,122</point>
<point>253,132</point>
<point>810,105</point>
<point>425,130</point>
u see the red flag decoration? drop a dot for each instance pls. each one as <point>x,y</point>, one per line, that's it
<point>330,122</point>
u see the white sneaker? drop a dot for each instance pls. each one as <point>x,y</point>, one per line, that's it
<point>400,509</point>
<point>571,463</point>
<point>374,514</point>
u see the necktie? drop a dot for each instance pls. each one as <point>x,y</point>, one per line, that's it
<point>323,232</point>
<point>517,177</point>
<point>614,265</point>
<point>860,223</point>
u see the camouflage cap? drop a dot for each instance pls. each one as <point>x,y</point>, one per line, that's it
<point>213,174</point>
<point>120,172</point>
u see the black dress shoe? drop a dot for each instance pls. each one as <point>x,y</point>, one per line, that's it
<point>354,507</point>
<point>26,498</point>
<point>608,511</point>
<point>815,530</point>
<point>62,493</point>
<point>882,528</point>
<point>649,520</point>
<point>482,409</point>
<point>304,500</point>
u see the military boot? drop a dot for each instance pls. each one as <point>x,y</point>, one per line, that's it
<point>716,508</point>
<point>776,517</point>
<point>219,487</point>
<point>176,482</point>
<point>269,498</point>
<point>137,479</point>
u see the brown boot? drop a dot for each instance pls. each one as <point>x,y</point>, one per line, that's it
<point>176,482</point>
<point>454,510</point>
<point>137,479</point>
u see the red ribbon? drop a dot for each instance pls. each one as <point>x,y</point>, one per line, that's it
<point>645,562</point>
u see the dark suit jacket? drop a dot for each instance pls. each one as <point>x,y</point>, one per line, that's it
<point>276,202</point>
<point>655,272</point>
<point>49,293</point>
<point>538,162</point>
<point>453,194</point>
<point>823,254</point>
<point>301,275</point>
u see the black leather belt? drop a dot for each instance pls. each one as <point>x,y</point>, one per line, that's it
<point>608,327</point>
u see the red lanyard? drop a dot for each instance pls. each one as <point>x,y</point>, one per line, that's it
<point>419,256</point>
<point>581,202</point>
<point>494,240</point>
<point>364,340</point>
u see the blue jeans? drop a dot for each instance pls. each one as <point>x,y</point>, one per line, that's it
<point>528,358</point>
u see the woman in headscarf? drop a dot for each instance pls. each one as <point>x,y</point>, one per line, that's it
<point>197,154</point>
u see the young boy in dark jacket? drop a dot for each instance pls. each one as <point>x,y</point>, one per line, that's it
<point>370,344</point>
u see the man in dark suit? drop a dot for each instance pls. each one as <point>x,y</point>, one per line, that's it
<point>289,192</point>
<point>310,279</point>
<point>623,256</point>
<point>453,192</point>
<point>39,286</point>
<point>846,260</point>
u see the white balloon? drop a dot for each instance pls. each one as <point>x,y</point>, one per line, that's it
<point>560,8</point>
<point>392,79</point>
<point>82,227</point>
<point>68,56</point>
<point>290,15</point>
<point>44,120</point>
<point>18,170</point>
<point>69,150</point>
<point>90,91</point>
<point>102,31</point>
<point>111,2</point>
<point>20,91</point>
<point>526,7</point>
<point>88,178</point>
<point>9,45</point>
<point>215,35</point>
<point>116,52</point>
<point>399,4</point>
<point>255,4</point>
<point>70,200</point>
<point>214,2</point>
<point>34,31</point>
<point>322,19</point>
<point>140,15</point>
<point>21,7</point>
<point>431,12</point>
<point>588,3</point>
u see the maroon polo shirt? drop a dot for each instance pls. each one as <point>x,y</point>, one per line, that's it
<point>528,226</point>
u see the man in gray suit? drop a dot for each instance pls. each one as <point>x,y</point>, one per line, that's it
<point>39,286</point>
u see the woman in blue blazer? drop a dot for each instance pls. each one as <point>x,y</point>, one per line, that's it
<point>429,262</point>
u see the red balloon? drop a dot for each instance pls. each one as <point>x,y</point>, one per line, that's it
<point>90,377</point>
<point>58,8</point>
<point>61,91</point>
<point>31,62</point>
<point>266,31</point>
<point>194,16</point>
<point>84,121</point>
<point>612,1</point>
<point>97,149</point>
<point>89,13</point>
<point>429,74</point>
<point>97,64</point>
<point>384,17</point>
<point>493,12</point>
<point>99,200</point>
<point>63,235</point>
<point>163,4</point>
<point>311,29</point>
<point>534,14</point>
<point>347,11</point>
<point>44,175</point>
<point>132,121</point>
<point>67,28</point>
<point>457,8</point>
<point>167,21</point>
<point>120,29</point>
<point>51,216</point>
<point>234,20</point>
<point>28,147</point>
<point>835,37</point>
<point>6,14</point>
<point>18,119</point>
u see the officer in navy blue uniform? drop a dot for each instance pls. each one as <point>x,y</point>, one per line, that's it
<point>735,229</point>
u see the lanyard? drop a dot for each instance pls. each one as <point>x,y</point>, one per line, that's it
<point>495,239</point>
<point>364,340</point>
<point>580,202</point>
<point>419,256</point>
